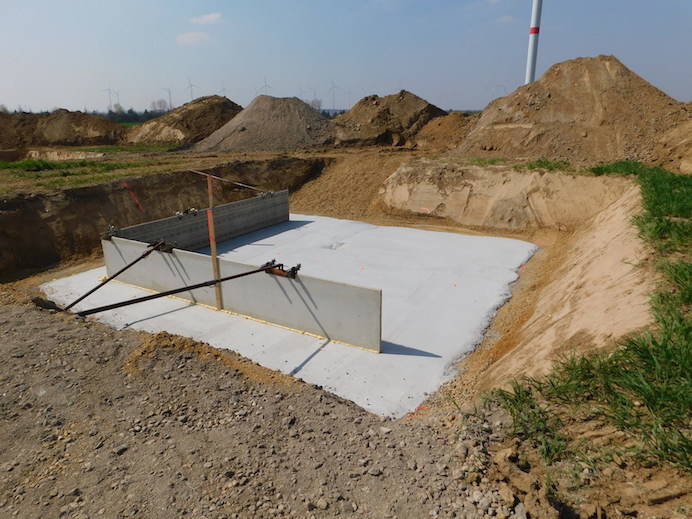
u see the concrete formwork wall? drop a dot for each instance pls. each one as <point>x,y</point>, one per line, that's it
<point>330,309</point>
<point>189,230</point>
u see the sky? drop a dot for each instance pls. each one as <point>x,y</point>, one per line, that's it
<point>457,54</point>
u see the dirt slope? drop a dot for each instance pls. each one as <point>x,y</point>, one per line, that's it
<point>59,128</point>
<point>393,119</point>
<point>584,110</point>
<point>46,228</point>
<point>270,123</point>
<point>186,124</point>
<point>674,149</point>
<point>446,132</point>
<point>594,291</point>
<point>498,197</point>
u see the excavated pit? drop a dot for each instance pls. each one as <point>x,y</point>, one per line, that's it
<point>587,285</point>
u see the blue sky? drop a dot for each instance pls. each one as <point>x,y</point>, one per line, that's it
<point>457,54</point>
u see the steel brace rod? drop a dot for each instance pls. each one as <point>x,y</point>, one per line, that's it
<point>146,253</point>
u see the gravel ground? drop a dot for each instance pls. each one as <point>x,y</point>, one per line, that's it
<point>100,423</point>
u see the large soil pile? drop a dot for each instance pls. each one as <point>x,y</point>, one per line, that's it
<point>674,149</point>
<point>270,123</point>
<point>393,119</point>
<point>446,132</point>
<point>583,110</point>
<point>186,124</point>
<point>59,128</point>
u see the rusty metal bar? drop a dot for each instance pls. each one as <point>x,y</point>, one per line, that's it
<point>209,175</point>
<point>212,242</point>
<point>146,253</point>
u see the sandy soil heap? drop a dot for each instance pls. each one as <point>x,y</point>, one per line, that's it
<point>392,119</point>
<point>583,110</point>
<point>674,149</point>
<point>186,124</point>
<point>59,128</point>
<point>270,123</point>
<point>446,132</point>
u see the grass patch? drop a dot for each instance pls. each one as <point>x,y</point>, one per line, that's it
<point>37,165</point>
<point>545,164</point>
<point>482,162</point>
<point>622,167</point>
<point>531,420</point>
<point>645,386</point>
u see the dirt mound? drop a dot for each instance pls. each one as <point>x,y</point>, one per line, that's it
<point>186,124</point>
<point>446,132</point>
<point>583,110</point>
<point>270,123</point>
<point>393,119</point>
<point>674,149</point>
<point>59,128</point>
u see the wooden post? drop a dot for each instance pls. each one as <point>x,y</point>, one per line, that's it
<point>212,243</point>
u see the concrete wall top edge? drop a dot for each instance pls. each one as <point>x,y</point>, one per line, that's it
<point>246,266</point>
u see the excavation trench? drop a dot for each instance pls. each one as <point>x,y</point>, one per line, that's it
<point>41,230</point>
<point>585,288</point>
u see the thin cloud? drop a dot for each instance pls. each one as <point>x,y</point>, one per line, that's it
<point>192,38</point>
<point>206,19</point>
<point>506,19</point>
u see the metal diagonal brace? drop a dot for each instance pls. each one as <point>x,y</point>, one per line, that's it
<point>271,267</point>
<point>155,246</point>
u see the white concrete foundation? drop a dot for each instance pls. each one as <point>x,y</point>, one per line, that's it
<point>439,293</point>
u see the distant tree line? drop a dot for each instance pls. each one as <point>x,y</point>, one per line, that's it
<point>116,113</point>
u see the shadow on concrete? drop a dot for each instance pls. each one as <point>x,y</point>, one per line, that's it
<point>128,325</point>
<point>391,348</point>
<point>300,366</point>
<point>252,237</point>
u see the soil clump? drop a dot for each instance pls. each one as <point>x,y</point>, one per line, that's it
<point>391,120</point>
<point>186,124</point>
<point>270,124</point>
<point>584,110</point>
<point>58,128</point>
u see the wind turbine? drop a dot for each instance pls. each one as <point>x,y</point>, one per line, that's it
<point>170,99</point>
<point>333,90</point>
<point>191,87</point>
<point>533,41</point>
<point>110,98</point>
<point>265,87</point>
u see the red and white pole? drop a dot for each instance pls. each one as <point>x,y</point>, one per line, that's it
<point>533,41</point>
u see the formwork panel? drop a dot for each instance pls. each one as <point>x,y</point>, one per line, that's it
<point>189,230</point>
<point>330,309</point>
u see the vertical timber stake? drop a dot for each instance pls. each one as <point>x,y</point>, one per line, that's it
<point>212,243</point>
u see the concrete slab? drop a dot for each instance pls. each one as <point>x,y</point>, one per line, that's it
<point>439,293</point>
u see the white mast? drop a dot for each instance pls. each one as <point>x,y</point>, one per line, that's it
<point>533,41</point>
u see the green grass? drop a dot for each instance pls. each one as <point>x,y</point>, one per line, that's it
<point>531,420</point>
<point>644,386</point>
<point>545,164</point>
<point>622,167</point>
<point>72,173</point>
<point>37,165</point>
